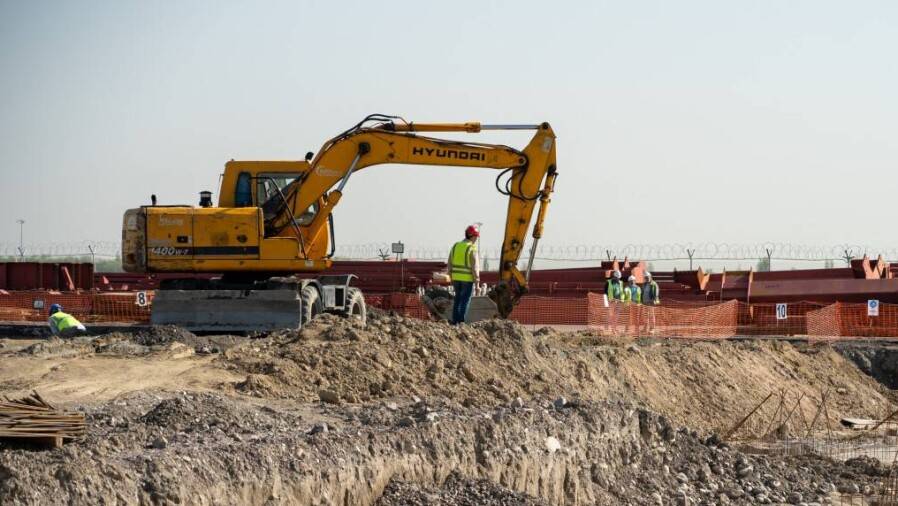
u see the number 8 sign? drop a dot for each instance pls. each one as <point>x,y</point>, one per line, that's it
<point>142,300</point>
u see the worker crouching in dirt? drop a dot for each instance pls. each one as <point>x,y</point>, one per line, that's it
<point>63,324</point>
<point>464,268</point>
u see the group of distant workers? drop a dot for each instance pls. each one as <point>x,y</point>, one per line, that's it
<point>618,294</point>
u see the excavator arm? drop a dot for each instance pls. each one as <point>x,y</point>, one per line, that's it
<point>529,179</point>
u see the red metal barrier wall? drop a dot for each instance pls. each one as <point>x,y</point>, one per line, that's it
<point>47,276</point>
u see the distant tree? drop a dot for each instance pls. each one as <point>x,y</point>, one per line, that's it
<point>829,264</point>
<point>763,265</point>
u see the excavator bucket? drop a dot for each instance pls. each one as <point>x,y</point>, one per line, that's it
<point>504,299</point>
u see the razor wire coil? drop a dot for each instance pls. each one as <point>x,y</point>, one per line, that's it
<point>705,251</point>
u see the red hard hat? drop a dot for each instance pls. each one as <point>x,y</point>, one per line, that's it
<point>472,231</point>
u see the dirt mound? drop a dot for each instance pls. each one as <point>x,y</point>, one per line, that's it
<point>196,412</point>
<point>703,384</point>
<point>56,347</point>
<point>164,334</point>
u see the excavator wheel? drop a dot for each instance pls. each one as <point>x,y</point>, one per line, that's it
<point>311,303</point>
<point>355,305</point>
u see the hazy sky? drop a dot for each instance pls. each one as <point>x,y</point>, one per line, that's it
<point>677,121</point>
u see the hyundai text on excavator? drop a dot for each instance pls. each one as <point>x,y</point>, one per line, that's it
<point>274,224</point>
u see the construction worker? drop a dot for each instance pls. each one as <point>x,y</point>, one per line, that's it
<point>614,292</point>
<point>651,294</point>
<point>632,292</point>
<point>464,269</point>
<point>614,289</point>
<point>63,324</point>
<point>651,297</point>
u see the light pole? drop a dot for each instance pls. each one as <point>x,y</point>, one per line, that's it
<point>21,223</point>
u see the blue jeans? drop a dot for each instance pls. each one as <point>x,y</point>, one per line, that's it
<point>463,292</point>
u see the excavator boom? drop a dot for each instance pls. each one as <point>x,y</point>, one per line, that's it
<point>531,175</point>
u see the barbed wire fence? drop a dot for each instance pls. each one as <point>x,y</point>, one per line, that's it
<point>58,250</point>
<point>693,253</point>
<point>648,252</point>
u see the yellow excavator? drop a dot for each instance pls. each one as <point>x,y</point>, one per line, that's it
<point>273,226</point>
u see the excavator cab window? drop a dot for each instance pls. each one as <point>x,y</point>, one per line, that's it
<point>268,186</point>
<point>243,195</point>
<point>269,189</point>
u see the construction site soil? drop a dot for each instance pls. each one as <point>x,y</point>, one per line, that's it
<point>404,411</point>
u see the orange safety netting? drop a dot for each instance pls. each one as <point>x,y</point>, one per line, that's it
<point>692,320</point>
<point>770,320</point>
<point>673,319</point>
<point>86,306</point>
<point>851,320</point>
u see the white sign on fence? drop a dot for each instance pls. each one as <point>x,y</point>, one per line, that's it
<point>872,307</point>
<point>782,311</point>
<point>142,299</point>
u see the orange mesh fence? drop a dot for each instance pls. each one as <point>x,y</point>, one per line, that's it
<point>767,319</point>
<point>674,319</point>
<point>693,321</point>
<point>405,304</point>
<point>824,322</point>
<point>852,320</point>
<point>536,310</point>
<point>120,307</point>
<point>86,306</point>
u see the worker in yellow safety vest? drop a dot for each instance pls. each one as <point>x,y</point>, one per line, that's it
<point>63,324</point>
<point>614,288</point>
<point>464,269</point>
<point>632,292</point>
<point>614,292</point>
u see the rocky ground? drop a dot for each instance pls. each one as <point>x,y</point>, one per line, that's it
<point>405,412</point>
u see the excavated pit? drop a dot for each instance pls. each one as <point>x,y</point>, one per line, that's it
<point>879,360</point>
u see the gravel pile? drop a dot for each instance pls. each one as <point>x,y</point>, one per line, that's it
<point>189,447</point>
